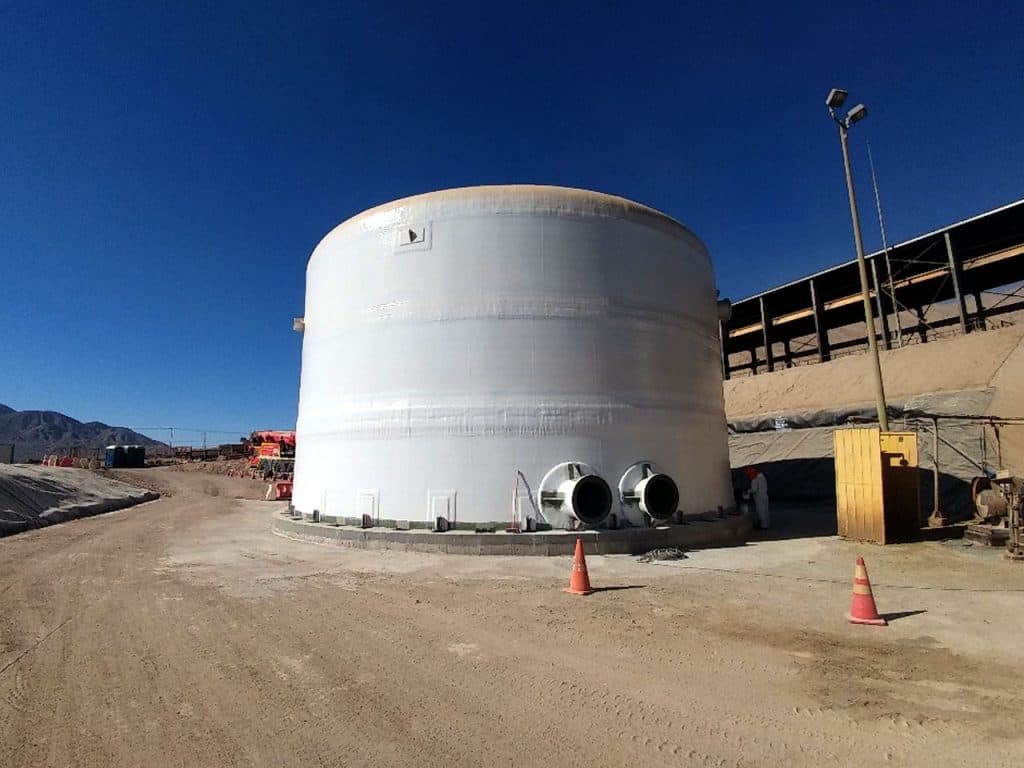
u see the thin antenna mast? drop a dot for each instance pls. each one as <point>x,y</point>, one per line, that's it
<point>885,250</point>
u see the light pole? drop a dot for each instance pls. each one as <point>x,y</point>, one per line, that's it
<point>836,98</point>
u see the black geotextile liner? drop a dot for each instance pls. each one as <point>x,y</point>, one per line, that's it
<point>31,497</point>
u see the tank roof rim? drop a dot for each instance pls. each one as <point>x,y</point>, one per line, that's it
<point>630,209</point>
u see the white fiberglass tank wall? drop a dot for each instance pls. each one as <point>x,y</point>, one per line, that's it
<point>456,339</point>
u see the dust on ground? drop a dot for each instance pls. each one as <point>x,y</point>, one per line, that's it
<point>184,632</point>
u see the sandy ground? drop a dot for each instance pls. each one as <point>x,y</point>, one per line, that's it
<point>183,633</point>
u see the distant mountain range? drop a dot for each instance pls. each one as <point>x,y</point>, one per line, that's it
<point>38,433</point>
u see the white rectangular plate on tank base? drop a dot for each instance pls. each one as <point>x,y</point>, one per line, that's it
<point>368,504</point>
<point>442,504</point>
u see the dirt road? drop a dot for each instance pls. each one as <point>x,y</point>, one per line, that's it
<point>183,633</point>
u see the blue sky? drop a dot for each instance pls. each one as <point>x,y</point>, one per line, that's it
<point>167,169</point>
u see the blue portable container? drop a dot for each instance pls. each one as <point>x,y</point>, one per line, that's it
<point>115,457</point>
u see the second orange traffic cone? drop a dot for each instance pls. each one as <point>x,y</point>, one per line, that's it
<point>862,609</point>
<point>579,581</point>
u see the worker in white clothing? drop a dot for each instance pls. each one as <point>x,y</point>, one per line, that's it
<point>758,493</point>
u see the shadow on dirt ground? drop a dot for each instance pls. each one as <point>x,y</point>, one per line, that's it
<point>799,520</point>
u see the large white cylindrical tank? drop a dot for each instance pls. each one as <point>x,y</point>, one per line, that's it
<point>455,339</point>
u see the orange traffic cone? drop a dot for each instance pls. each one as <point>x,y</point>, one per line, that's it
<point>862,609</point>
<point>579,581</point>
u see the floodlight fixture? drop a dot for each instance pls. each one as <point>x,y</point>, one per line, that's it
<point>856,114</point>
<point>836,98</point>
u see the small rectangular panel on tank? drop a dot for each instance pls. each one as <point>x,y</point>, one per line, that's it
<point>442,504</point>
<point>414,236</point>
<point>524,507</point>
<point>368,503</point>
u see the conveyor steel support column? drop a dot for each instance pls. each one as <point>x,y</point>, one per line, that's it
<point>820,329</point>
<point>922,326</point>
<point>957,277</point>
<point>936,519</point>
<point>979,312</point>
<point>882,315</point>
<point>766,336</point>
<point>723,341</point>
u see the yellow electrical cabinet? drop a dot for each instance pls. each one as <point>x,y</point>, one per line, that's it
<point>877,485</point>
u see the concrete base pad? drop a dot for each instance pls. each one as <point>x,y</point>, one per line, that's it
<point>697,534</point>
